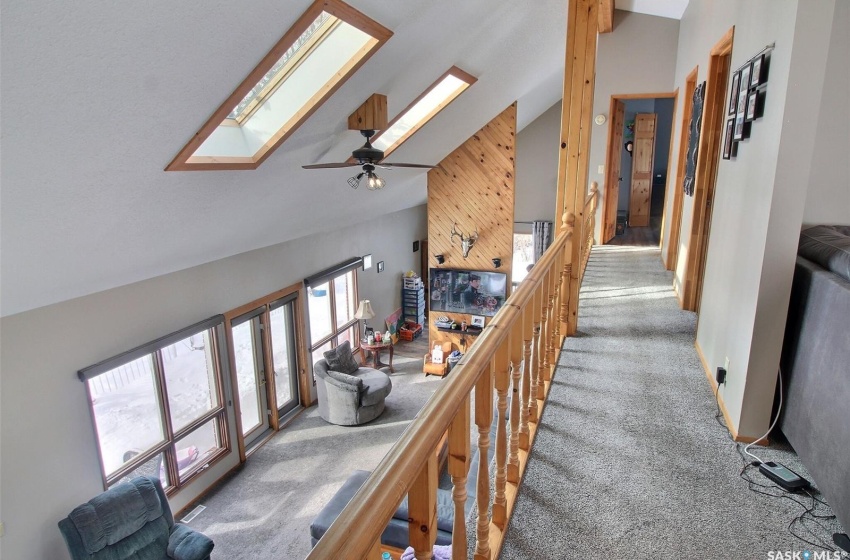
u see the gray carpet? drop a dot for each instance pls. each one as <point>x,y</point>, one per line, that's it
<point>629,461</point>
<point>264,510</point>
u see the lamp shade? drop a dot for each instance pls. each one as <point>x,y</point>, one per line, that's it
<point>365,310</point>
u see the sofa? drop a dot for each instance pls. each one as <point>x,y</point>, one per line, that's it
<point>131,520</point>
<point>816,363</point>
<point>397,531</point>
<point>349,394</point>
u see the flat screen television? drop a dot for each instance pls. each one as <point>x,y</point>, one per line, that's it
<point>467,291</point>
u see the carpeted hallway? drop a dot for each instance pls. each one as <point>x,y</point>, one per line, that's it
<point>629,461</point>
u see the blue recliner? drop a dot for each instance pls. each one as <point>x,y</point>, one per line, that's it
<point>131,520</point>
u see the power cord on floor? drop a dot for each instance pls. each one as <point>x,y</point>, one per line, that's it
<point>768,489</point>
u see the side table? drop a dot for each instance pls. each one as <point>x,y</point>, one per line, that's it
<point>376,350</point>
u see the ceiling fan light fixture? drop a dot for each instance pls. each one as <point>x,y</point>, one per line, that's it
<point>375,182</point>
<point>354,182</point>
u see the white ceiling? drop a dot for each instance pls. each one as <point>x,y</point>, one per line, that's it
<point>98,97</point>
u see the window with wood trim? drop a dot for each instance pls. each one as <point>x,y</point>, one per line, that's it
<point>332,303</point>
<point>327,44</point>
<point>158,410</point>
<point>424,108</point>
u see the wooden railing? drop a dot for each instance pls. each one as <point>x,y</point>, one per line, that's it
<point>517,352</point>
<point>590,204</point>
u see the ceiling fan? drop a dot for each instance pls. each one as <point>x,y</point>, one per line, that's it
<point>367,158</point>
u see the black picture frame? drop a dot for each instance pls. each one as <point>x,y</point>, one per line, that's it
<point>753,106</point>
<point>759,71</point>
<point>733,93</point>
<point>727,138</point>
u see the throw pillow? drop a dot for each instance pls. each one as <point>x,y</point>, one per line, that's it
<point>345,378</point>
<point>341,359</point>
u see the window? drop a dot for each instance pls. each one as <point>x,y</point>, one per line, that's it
<point>331,303</point>
<point>158,410</point>
<point>433,100</point>
<point>523,256</point>
<point>327,44</point>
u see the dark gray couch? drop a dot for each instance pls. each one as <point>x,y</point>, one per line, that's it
<point>398,529</point>
<point>816,363</point>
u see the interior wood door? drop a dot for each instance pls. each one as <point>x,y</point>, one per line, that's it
<point>643,154</point>
<point>612,178</point>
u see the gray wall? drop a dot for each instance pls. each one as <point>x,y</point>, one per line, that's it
<point>49,458</point>
<point>638,57</point>
<point>828,199</point>
<point>663,128</point>
<point>760,195</point>
<point>537,167</point>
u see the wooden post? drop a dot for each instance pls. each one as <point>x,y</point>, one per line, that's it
<point>576,115</point>
<point>513,459</point>
<point>483,419</point>
<point>375,551</point>
<point>501,363</point>
<point>422,509</point>
<point>459,454</point>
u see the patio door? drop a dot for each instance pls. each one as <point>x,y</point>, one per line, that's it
<point>284,355</point>
<point>248,349</point>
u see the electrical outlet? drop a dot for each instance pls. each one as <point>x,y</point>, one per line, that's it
<point>726,364</point>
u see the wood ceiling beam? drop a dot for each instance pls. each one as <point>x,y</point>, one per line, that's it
<point>372,115</point>
<point>606,16</point>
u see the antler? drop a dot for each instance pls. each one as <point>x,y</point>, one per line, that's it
<point>455,232</point>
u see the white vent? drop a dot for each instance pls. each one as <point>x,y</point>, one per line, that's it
<point>193,514</point>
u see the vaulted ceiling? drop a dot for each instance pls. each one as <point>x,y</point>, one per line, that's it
<point>98,97</point>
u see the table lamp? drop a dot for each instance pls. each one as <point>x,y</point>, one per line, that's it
<point>364,312</point>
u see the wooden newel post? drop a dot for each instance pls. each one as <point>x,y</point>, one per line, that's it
<point>422,509</point>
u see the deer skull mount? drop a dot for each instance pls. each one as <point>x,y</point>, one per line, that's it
<point>466,241</point>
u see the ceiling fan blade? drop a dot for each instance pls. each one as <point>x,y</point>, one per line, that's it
<point>412,165</point>
<point>330,165</point>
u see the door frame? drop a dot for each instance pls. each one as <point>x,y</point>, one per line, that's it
<point>608,143</point>
<point>708,161</point>
<point>304,379</point>
<point>609,217</point>
<point>671,258</point>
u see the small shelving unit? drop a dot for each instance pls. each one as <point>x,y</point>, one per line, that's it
<point>413,305</point>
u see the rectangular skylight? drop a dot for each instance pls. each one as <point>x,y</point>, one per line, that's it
<point>327,44</point>
<point>424,108</point>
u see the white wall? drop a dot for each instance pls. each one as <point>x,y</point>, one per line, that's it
<point>638,57</point>
<point>49,458</point>
<point>537,167</point>
<point>828,199</point>
<point>758,205</point>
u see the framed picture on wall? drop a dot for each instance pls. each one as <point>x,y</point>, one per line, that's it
<point>753,106</point>
<point>733,93</point>
<point>759,73</point>
<point>727,139</point>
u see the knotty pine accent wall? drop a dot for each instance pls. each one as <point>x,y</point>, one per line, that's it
<point>474,187</point>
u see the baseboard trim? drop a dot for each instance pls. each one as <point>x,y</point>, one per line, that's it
<point>713,383</point>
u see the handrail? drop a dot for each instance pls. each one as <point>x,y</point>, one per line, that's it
<point>521,340</point>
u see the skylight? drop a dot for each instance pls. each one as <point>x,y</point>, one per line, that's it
<point>423,109</point>
<point>327,44</point>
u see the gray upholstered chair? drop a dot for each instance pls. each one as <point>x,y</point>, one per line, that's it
<point>350,399</point>
<point>131,520</point>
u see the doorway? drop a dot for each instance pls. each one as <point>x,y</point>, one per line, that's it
<point>708,160</point>
<point>641,127</point>
<point>265,358</point>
